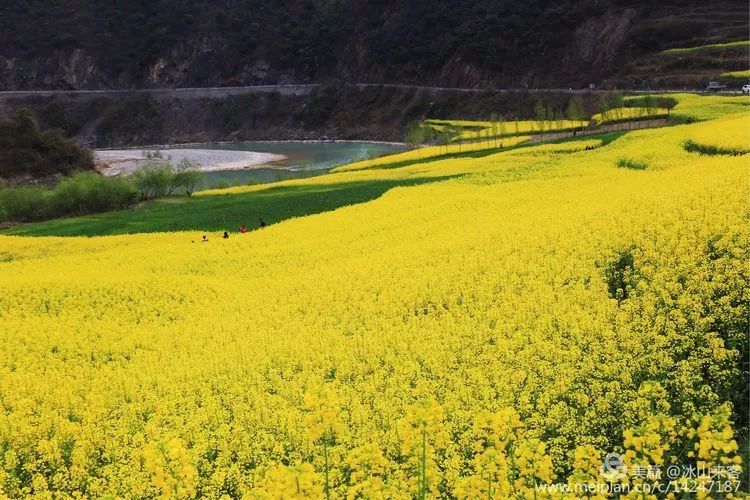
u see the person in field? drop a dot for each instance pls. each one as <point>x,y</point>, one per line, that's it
<point>226,235</point>
<point>243,229</point>
<point>204,239</point>
<point>262,223</point>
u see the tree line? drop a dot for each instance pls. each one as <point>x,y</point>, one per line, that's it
<point>612,107</point>
<point>88,192</point>
<point>25,150</point>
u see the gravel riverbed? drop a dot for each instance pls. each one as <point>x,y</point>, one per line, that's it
<point>114,162</point>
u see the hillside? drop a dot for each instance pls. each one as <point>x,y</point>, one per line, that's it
<point>465,327</point>
<point>470,43</point>
<point>344,112</point>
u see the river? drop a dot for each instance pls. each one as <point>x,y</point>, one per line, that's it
<point>302,159</point>
<point>256,162</point>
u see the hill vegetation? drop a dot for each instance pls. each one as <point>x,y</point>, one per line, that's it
<point>26,150</point>
<point>450,42</point>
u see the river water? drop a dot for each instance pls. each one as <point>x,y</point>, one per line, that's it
<point>303,159</point>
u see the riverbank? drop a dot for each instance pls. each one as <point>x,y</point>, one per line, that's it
<point>119,161</point>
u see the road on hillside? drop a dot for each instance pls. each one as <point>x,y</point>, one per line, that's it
<point>294,90</point>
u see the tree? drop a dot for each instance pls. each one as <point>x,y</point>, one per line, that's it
<point>501,130</point>
<point>617,104</point>
<point>445,138</point>
<point>24,149</point>
<point>494,127</point>
<point>154,180</point>
<point>540,112</point>
<point>188,175</point>
<point>611,106</point>
<point>649,103</point>
<point>576,110</point>
<point>415,135</point>
<point>459,129</point>
<point>604,109</point>
<point>553,115</point>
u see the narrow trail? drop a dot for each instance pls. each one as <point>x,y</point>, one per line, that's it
<point>603,129</point>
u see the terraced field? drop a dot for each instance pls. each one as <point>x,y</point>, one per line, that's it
<point>480,325</point>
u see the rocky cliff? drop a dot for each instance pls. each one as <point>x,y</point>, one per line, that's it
<point>86,44</point>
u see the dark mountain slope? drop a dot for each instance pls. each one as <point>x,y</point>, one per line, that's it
<point>71,44</point>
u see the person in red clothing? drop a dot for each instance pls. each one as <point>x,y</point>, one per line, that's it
<point>243,229</point>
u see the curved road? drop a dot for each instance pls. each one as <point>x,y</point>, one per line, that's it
<point>294,90</point>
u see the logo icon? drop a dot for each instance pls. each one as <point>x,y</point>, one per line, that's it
<point>613,467</point>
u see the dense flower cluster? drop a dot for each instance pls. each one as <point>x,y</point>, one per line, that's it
<point>479,336</point>
<point>732,133</point>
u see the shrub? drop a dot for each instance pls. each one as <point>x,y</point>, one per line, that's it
<point>707,149</point>
<point>649,100</point>
<point>24,149</point>
<point>153,155</point>
<point>25,204</point>
<point>618,275</point>
<point>187,176</point>
<point>154,181</point>
<point>90,193</point>
<point>632,164</point>
<point>83,193</point>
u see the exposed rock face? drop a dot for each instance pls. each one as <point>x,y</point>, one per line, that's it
<point>463,43</point>
<point>599,40</point>
<point>63,69</point>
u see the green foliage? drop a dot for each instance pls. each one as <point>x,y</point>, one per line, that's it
<point>25,203</point>
<point>540,115</point>
<point>708,149</point>
<point>137,116</point>
<point>86,193</point>
<point>576,109</point>
<point>82,193</point>
<point>418,133</point>
<point>24,149</point>
<point>610,106</point>
<point>619,275</point>
<point>187,176</point>
<point>631,164</point>
<point>154,180</point>
<point>650,100</point>
<point>214,213</point>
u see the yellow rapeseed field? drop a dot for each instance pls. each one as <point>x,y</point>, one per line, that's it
<point>732,133</point>
<point>628,114</point>
<point>474,337</point>
<point>737,74</point>
<point>429,152</point>
<point>481,130</point>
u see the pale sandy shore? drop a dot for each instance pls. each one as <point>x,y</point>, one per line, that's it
<point>114,162</point>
